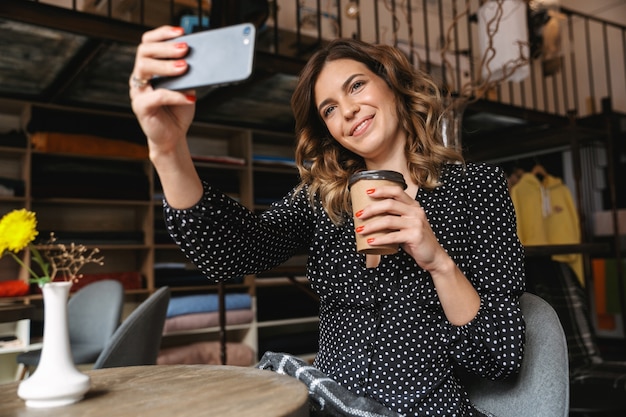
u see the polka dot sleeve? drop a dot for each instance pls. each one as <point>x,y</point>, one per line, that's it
<point>491,344</point>
<point>224,239</point>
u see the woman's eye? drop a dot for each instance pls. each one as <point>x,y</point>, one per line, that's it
<point>357,85</point>
<point>328,111</point>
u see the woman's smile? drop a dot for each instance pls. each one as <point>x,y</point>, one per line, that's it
<point>361,126</point>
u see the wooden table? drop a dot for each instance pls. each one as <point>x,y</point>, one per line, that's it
<point>176,391</point>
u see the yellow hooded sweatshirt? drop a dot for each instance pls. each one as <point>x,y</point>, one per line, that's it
<point>546,215</point>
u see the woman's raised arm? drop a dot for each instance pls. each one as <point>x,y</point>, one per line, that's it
<point>165,115</point>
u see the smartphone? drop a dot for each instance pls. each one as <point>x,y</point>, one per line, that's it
<point>216,57</point>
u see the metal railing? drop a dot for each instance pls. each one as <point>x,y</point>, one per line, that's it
<point>589,65</point>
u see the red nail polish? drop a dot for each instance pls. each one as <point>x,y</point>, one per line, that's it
<point>178,29</point>
<point>358,213</point>
<point>359,229</point>
<point>370,191</point>
<point>180,45</point>
<point>191,97</point>
<point>370,240</point>
<point>180,63</point>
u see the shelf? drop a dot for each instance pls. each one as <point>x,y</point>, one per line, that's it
<point>218,166</point>
<point>209,287</point>
<point>11,150</point>
<point>91,201</point>
<point>123,246</point>
<point>275,169</point>
<point>14,312</point>
<point>548,250</point>
<point>74,155</point>
<point>288,322</point>
<point>274,281</point>
<point>229,328</point>
<point>17,200</point>
<point>32,346</point>
<point>166,246</point>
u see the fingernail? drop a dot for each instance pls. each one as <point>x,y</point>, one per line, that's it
<point>359,213</point>
<point>180,63</point>
<point>180,45</point>
<point>178,30</point>
<point>370,240</point>
<point>370,191</point>
<point>359,229</point>
<point>190,97</point>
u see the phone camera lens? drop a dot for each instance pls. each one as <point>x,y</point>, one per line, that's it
<point>246,31</point>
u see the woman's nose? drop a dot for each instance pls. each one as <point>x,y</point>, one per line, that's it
<point>350,110</point>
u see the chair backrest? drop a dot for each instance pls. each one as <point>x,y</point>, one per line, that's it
<point>138,339</point>
<point>94,313</point>
<point>541,388</point>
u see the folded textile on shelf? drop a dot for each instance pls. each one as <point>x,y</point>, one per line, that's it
<point>82,144</point>
<point>204,320</point>
<point>13,288</point>
<point>205,303</point>
<point>208,353</point>
<point>131,280</point>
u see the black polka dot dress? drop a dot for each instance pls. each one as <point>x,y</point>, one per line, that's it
<point>383,333</point>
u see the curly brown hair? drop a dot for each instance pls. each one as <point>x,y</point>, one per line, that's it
<point>325,166</point>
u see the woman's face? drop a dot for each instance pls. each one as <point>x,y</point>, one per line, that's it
<point>359,110</point>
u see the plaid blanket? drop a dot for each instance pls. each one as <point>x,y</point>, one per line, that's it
<point>556,283</point>
<point>326,397</point>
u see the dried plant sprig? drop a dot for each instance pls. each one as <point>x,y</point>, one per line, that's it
<point>68,260</point>
<point>476,89</point>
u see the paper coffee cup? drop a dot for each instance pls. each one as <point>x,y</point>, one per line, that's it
<point>359,183</point>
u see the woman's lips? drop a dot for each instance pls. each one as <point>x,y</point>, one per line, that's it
<point>359,127</point>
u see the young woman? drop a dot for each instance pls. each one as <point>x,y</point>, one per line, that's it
<point>394,328</point>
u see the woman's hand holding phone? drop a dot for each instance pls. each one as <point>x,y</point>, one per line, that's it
<point>165,115</point>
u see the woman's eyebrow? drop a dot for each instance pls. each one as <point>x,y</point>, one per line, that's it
<point>345,85</point>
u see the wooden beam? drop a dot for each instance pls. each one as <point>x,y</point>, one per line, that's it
<point>67,20</point>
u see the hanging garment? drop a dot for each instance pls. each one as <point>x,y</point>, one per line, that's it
<point>563,225</point>
<point>531,208</point>
<point>546,215</point>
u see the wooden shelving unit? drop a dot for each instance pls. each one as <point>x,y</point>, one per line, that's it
<point>125,218</point>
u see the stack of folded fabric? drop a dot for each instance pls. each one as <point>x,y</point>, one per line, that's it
<point>201,311</point>
<point>190,312</point>
<point>208,353</point>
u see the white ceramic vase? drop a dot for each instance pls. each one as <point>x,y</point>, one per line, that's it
<point>56,381</point>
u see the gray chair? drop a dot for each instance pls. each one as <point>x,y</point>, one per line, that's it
<point>542,386</point>
<point>138,339</point>
<point>94,313</point>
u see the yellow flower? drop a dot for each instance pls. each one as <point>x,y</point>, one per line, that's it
<point>17,229</point>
